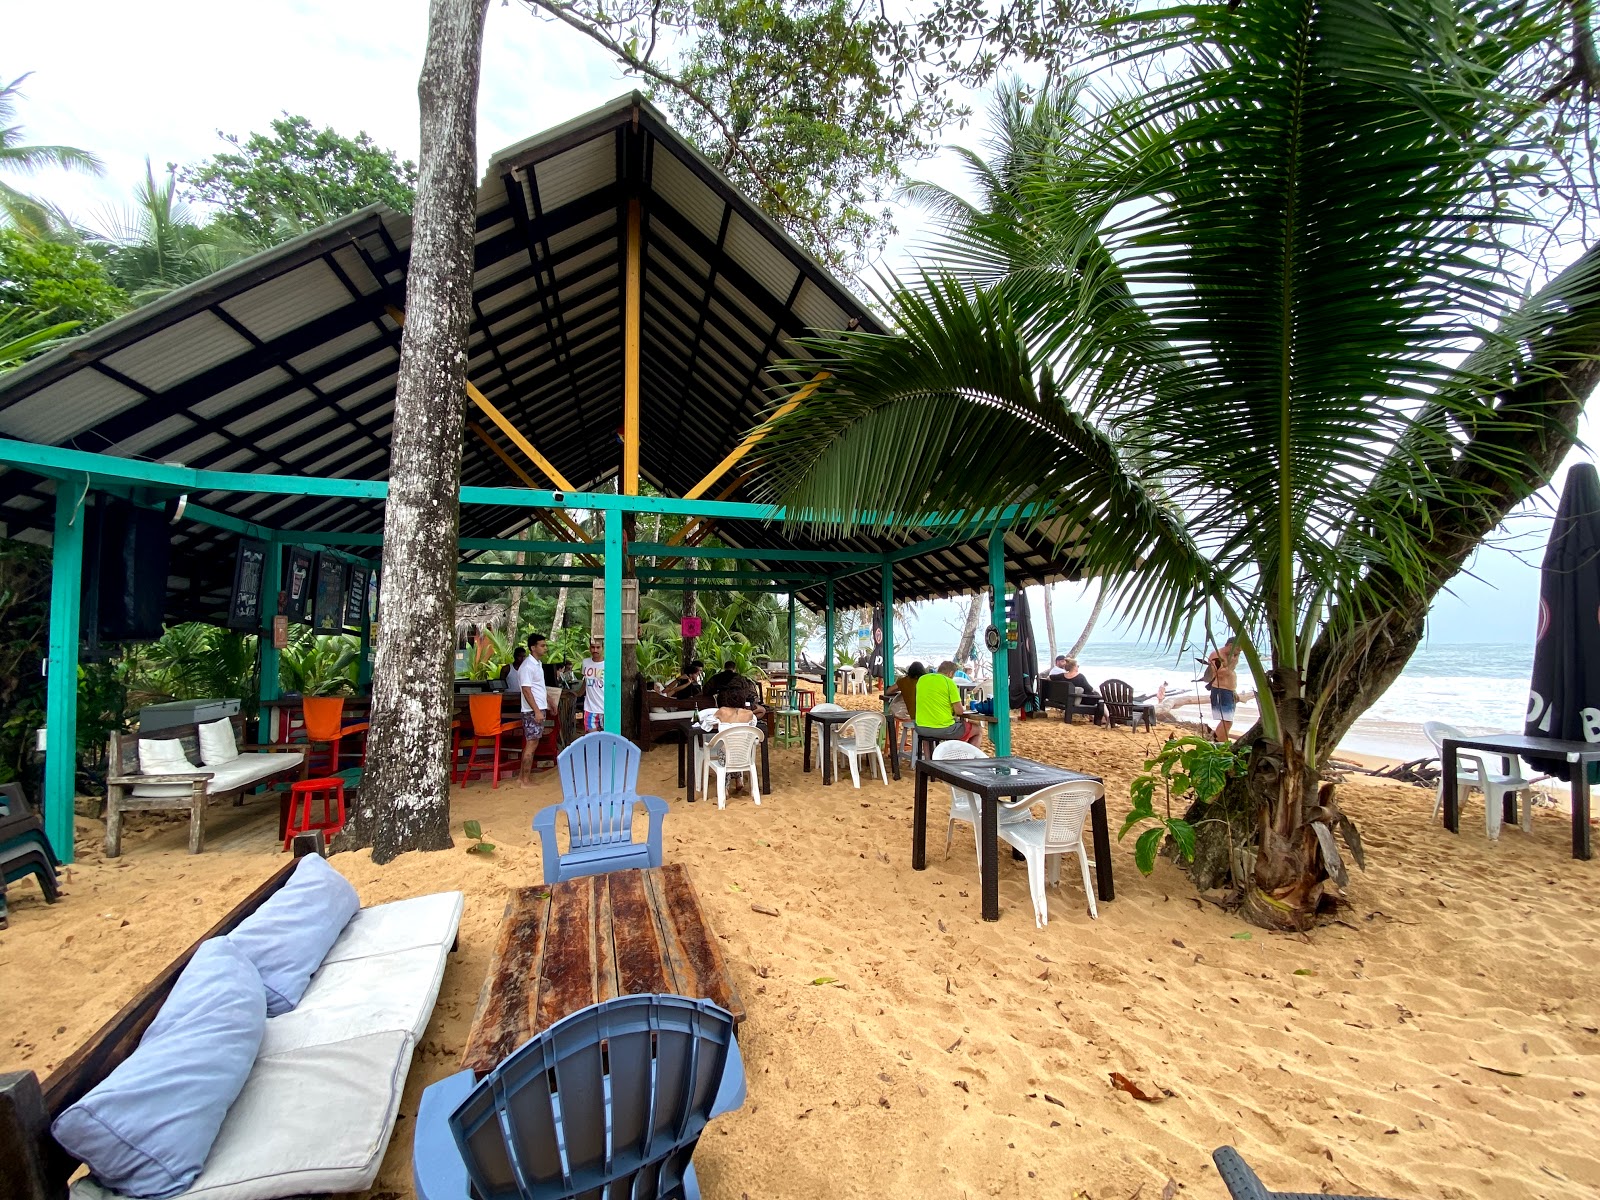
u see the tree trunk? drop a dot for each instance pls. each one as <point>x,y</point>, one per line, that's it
<point>1088,626</point>
<point>690,606</point>
<point>1050,620</point>
<point>407,786</point>
<point>969,628</point>
<point>559,617</point>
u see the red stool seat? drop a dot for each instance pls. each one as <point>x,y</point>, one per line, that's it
<point>302,795</point>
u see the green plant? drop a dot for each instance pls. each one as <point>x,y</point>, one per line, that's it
<point>475,831</point>
<point>319,664</point>
<point>1185,766</point>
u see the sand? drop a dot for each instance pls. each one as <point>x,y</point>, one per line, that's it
<point>1441,1040</point>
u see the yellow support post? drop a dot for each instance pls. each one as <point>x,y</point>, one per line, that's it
<point>631,321</point>
<point>754,436</point>
<point>567,528</point>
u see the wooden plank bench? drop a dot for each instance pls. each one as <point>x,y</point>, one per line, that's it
<point>566,946</point>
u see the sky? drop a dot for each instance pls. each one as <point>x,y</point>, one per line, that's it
<point>127,86</point>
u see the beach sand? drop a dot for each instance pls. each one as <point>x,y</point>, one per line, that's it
<point>1442,1039</point>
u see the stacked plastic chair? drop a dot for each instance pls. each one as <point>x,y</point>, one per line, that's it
<point>24,849</point>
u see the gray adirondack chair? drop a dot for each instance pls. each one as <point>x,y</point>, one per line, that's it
<point>599,791</point>
<point>1245,1184</point>
<point>650,1071</point>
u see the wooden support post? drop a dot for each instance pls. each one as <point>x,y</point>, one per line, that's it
<point>754,436</point>
<point>888,624</point>
<point>827,645</point>
<point>631,321</point>
<point>1002,664</point>
<point>615,548</point>
<point>269,686</point>
<point>61,667</point>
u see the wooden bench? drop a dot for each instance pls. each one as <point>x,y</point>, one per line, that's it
<point>191,790</point>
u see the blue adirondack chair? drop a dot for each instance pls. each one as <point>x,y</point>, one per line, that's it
<point>599,789</point>
<point>1245,1184</point>
<point>535,1128</point>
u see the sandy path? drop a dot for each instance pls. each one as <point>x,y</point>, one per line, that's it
<point>1442,1041</point>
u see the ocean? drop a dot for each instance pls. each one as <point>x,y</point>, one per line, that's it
<point>1479,687</point>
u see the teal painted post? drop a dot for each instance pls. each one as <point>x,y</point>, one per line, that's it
<point>791,640</point>
<point>270,685</point>
<point>827,646</point>
<point>613,642</point>
<point>1002,663</point>
<point>888,624</point>
<point>61,668</point>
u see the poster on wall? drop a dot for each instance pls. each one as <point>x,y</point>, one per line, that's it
<point>298,585</point>
<point>875,654</point>
<point>372,606</point>
<point>355,599</point>
<point>328,610</point>
<point>249,566</point>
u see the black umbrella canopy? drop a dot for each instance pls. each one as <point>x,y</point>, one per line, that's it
<point>1024,664</point>
<point>1564,696</point>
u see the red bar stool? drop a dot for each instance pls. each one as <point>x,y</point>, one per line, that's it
<point>302,795</point>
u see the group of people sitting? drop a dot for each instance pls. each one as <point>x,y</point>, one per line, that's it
<point>932,701</point>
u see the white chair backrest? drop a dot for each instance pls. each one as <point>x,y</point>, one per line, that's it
<point>863,727</point>
<point>954,748</point>
<point>826,707</point>
<point>1066,808</point>
<point>738,744</point>
<point>1437,731</point>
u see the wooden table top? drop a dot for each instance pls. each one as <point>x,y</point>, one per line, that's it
<point>565,946</point>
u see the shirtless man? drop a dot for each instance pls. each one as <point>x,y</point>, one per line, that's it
<point>1224,686</point>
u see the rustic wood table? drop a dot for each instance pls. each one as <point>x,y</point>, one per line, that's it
<point>565,946</point>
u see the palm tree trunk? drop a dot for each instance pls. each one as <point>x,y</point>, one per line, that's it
<point>1088,626</point>
<point>408,775</point>
<point>1050,619</point>
<point>560,615</point>
<point>969,628</point>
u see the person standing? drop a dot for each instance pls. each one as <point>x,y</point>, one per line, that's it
<point>1224,686</point>
<point>535,702</point>
<point>594,687</point>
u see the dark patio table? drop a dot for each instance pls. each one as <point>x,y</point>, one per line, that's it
<point>698,737</point>
<point>827,720</point>
<point>990,779</point>
<point>1521,745</point>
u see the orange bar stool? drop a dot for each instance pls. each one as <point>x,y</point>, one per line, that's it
<point>487,729</point>
<point>325,727</point>
<point>308,792</point>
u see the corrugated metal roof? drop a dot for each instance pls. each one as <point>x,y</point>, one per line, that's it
<point>287,362</point>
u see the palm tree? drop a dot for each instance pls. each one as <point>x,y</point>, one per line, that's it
<point>19,158</point>
<point>1221,331</point>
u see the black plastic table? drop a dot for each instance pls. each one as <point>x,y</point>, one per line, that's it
<point>1523,746</point>
<point>827,720</point>
<point>990,779</point>
<point>696,735</point>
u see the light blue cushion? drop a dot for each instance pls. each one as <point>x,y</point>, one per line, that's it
<point>147,1129</point>
<point>288,937</point>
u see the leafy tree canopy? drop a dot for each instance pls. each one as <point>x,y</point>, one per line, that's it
<point>60,281</point>
<point>270,187</point>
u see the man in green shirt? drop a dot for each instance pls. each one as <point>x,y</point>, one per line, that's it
<point>939,704</point>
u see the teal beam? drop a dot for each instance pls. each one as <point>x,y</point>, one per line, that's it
<point>664,550</point>
<point>613,618</point>
<point>791,639</point>
<point>827,645</point>
<point>270,684</point>
<point>476,568</point>
<point>888,624</point>
<point>1002,663</point>
<point>61,667</point>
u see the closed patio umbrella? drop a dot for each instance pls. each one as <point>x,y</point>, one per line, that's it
<point>1566,653</point>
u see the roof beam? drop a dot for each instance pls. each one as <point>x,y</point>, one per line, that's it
<point>567,529</point>
<point>753,437</point>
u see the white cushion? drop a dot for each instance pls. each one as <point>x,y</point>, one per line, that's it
<point>162,756</point>
<point>400,925</point>
<point>308,1121</point>
<point>216,743</point>
<point>237,773</point>
<point>387,993</point>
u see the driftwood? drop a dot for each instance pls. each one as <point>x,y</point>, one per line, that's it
<point>1422,772</point>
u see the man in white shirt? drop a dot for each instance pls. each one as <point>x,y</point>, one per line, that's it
<point>594,687</point>
<point>535,702</point>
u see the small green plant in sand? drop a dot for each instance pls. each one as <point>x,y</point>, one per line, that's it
<point>475,831</point>
<point>1185,765</point>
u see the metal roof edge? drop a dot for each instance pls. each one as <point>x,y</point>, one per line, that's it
<point>184,302</point>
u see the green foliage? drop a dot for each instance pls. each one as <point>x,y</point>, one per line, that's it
<point>57,281</point>
<point>271,186</point>
<point>475,831</point>
<point>1185,767</point>
<point>24,621</point>
<point>192,661</point>
<point>18,157</point>
<point>23,335</point>
<point>319,665</point>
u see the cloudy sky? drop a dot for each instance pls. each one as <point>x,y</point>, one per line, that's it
<point>134,81</point>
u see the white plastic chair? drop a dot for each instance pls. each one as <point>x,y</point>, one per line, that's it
<point>1472,773</point>
<point>965,805</point>
<point>856,739</point>
<point>858,681</point>
<point>731,752</point>
<point>1066,808</point>
<point>816,730</point>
